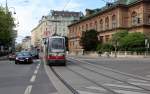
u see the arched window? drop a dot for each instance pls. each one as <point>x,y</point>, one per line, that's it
<point>86,26</point>
<point>91,25</point>
<point>107,23</point>
<point>114,21</point>
<point>95,25</point>
<point>134,18</point>
<point>82,27</point>
<point>101,24</point>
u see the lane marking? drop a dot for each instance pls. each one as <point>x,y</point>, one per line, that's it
<point>137,80</point>
<point>128,92</point>
<point>36,71</point>
<point>85,92</point>
<point>33,78</point>
<point>96,88</point>
<point>28,89</point>
<point>122,86</point>
<point>37,67</point>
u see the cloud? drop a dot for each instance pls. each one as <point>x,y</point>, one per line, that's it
<point>29,12</point>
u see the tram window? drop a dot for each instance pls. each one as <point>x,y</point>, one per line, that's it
<point>57,44</point>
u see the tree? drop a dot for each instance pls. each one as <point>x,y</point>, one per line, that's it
<point>89,40</point>
<point>133,41</point>
<point>6,27</point>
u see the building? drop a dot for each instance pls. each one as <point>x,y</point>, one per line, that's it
<point>131,15</point>
<point>26,43</point>
<point>56,22</point>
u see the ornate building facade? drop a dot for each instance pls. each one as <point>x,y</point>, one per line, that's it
<point>130,15</point>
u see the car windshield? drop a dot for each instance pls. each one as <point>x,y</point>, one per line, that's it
<point>23,54</point>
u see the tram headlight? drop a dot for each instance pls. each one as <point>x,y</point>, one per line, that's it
<point>61,54</point>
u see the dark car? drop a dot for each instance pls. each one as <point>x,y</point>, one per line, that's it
<point>23,57</point>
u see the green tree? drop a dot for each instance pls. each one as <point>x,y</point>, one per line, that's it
<point>133,41</point>
<point>6,27</point>
<point>89,40</point>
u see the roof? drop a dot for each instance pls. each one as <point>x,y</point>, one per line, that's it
<point>108,6</point>
<point>65,13</point>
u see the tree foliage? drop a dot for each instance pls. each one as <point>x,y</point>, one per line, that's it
<point>89,40</point>
<point>129,41</point>
<point>133,40</point>
<point>6,27</point>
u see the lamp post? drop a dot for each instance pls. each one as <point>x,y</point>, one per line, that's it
<point>146,47</point>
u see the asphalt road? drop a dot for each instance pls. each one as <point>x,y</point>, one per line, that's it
<point>24,78</point>
<point>122,75</point>
<point>136,66</point>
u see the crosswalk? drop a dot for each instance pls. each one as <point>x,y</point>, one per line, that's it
<point>119,87</point>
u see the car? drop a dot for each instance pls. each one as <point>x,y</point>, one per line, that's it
<point>23,57</point>
<point>35,54</point>
<point>12,56</point>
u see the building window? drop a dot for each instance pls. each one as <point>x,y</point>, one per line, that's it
<point>86,26</point>
<point>114,21</point>
<point>107,23</point>
<point>91,25</point>
<point>82,27</point>
<point>101,24</point>
<point>149,19</point>
<point>134,18</point>
<point>95,25</point>
<point>107,38</point>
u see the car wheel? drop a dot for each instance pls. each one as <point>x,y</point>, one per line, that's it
<point>16,63</point>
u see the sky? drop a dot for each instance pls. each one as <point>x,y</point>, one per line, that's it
<point>29,12</point>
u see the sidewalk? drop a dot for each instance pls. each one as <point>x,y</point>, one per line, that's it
<point>112,56</point>
<point>3,57</point>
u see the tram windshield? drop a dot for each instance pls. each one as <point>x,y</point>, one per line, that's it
<point>57,43</point>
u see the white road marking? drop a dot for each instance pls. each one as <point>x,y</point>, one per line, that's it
<point>36,71</point>
<point>28,89</point>
<point>143,84</point>
<point>137,80</point>
<point>86,92</point>
<point>96,88</point>
<point>37,67</point>
<point>122,86</point>
<point>128,92</point>
<point>33,78</point>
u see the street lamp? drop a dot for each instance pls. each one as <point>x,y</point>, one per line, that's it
<point>13,9</point>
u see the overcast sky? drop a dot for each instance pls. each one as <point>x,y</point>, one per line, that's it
<point>29,12</point>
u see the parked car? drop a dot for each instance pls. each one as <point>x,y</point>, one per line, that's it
<point>23,57</point>
<point>12,56</point>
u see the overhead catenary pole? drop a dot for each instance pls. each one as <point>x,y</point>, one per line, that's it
<point>6,7</point>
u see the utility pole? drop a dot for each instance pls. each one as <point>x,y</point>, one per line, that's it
<point>6,7</point>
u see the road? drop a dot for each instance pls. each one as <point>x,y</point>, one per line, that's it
<point>106,75</point>
<point>85,75</point>
<point>24,78</point>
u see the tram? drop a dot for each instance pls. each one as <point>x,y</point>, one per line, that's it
<point>56,50</point>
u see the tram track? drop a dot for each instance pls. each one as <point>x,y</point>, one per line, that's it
<point>125,82</point>
<point>64,82</point>
<point>74,91</point>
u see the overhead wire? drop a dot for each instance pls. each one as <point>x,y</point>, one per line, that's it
<point>66,4</point>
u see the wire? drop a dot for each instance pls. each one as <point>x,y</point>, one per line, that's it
<point>66,4</point>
